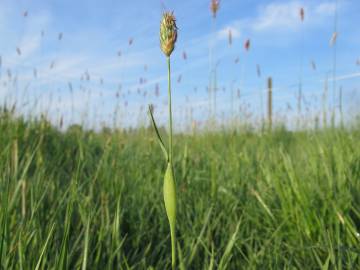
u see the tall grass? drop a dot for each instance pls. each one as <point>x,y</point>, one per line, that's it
<point>285,200</point>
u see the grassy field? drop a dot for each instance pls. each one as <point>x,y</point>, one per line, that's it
<point>85,200</point>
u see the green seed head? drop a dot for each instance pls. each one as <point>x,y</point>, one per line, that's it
<point>168,33</point>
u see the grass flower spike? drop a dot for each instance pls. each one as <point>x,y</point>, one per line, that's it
<point>214,7</point>
<point>168,33</point>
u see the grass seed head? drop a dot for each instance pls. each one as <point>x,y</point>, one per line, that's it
<point>258,70</point>
<point>302,14</point>
<point>333,39</point>
<point>168,33</point>
<point>230,37</point>
<point>214,7</point>
<point>313,65</point>
<point>247,45</point>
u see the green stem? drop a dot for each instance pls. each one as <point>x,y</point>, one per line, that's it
<point>173,250</point>
<point>172,226</point>
<point>170,114</point>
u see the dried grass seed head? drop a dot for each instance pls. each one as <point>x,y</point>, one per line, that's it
<point>247,45</point>
<point>230,37</point>
<point>302,14</point>
<point>214,7</point>
<point>168,33</point>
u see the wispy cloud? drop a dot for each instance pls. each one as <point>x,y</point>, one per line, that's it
<point>277,16</point>
<point>285,16</point>
<point>325,9</point>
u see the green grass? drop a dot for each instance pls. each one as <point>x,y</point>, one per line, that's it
<point>85,200</point>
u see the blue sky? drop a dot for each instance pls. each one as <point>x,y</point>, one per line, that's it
<point>87,59</point>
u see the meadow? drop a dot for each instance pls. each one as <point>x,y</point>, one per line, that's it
<point>246,200</point>
<point>261,170</point>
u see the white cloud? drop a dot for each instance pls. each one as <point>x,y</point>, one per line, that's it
<point>277,15</point>
<point>281,21</point>
<point>346,77</point>
<point>284,16</point>
<point>325,9</point>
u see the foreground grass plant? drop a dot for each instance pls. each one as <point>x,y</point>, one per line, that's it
<point>168,37</point>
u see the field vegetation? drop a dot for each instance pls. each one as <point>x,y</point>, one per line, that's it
<point>93,200</point>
